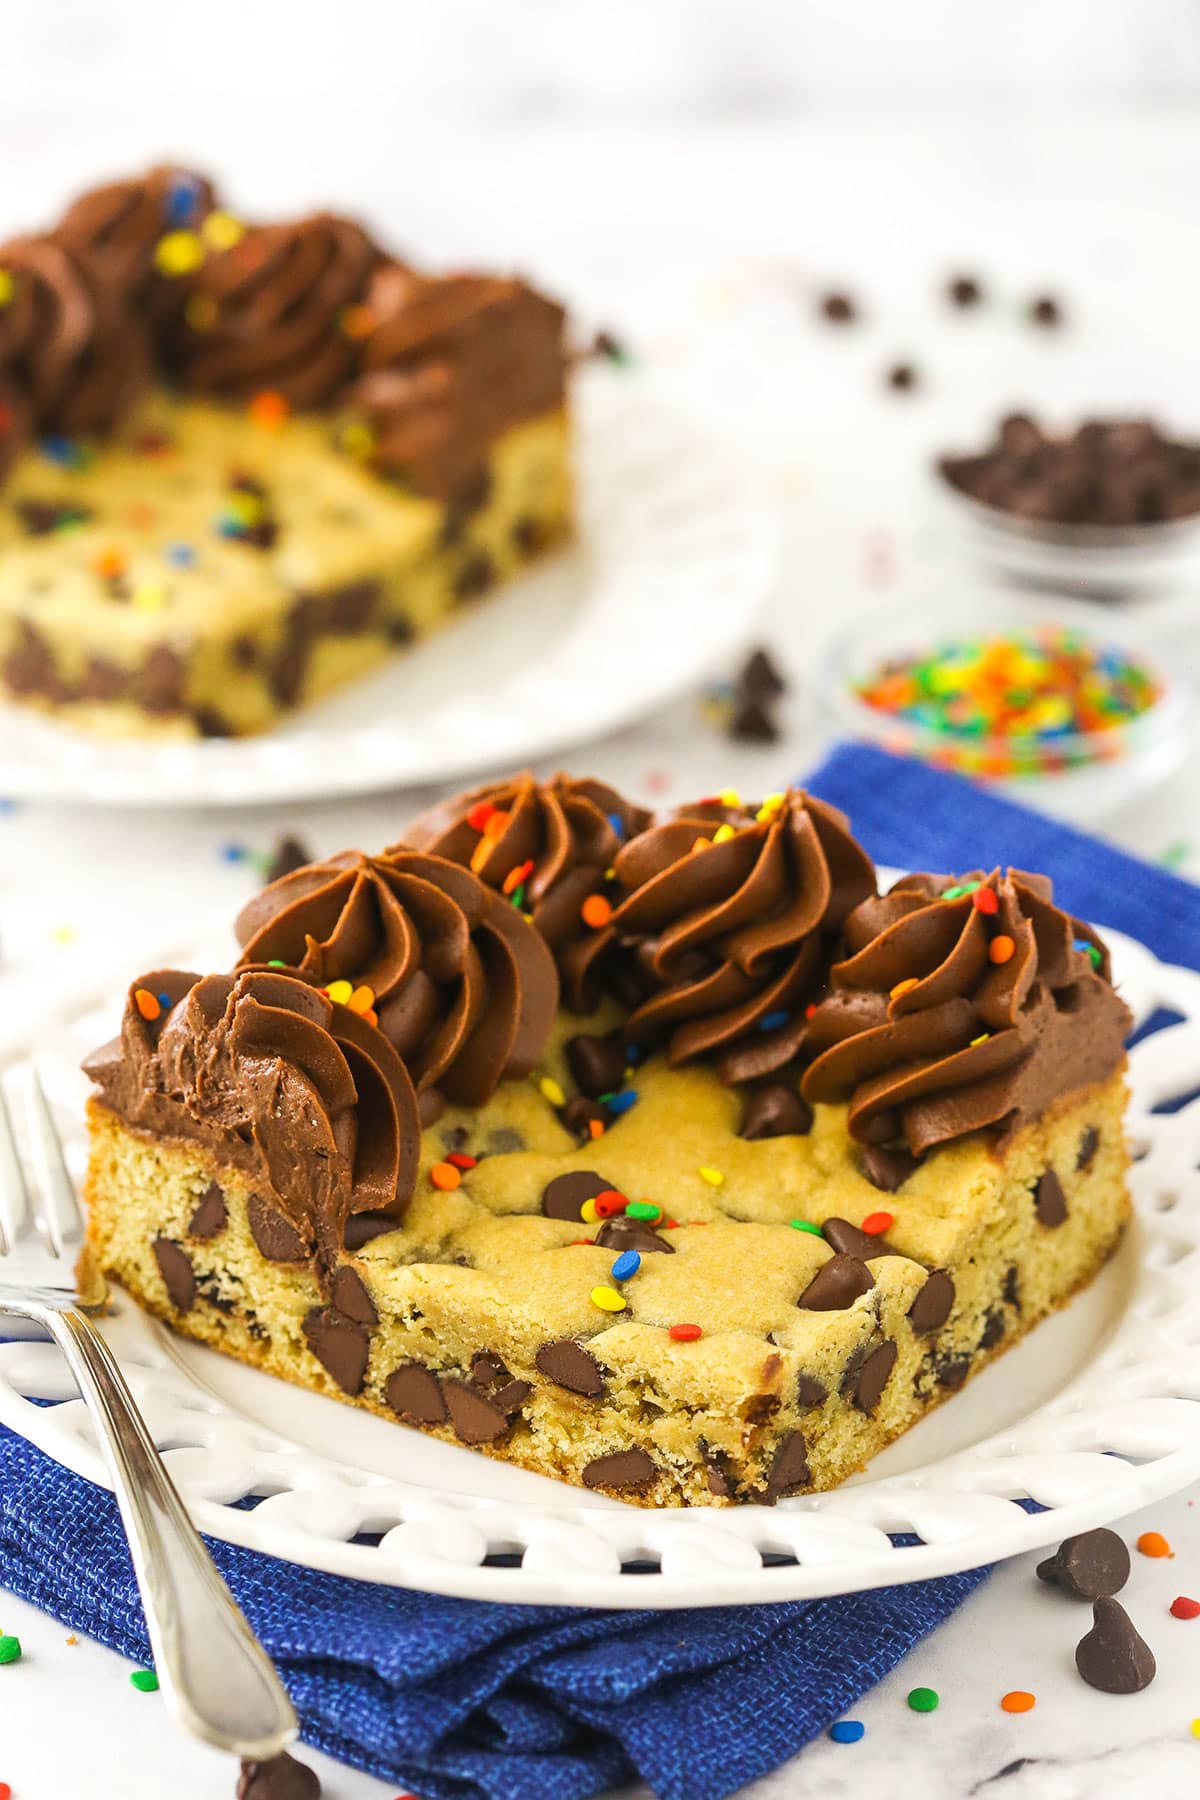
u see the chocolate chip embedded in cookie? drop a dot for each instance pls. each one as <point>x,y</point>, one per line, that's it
<point>933,1304</point>
<point>837,1285</point>
<point>1050,1201</point>
<point>568,1364</point>
<point>775,1110</point>
<point>179,1277</point>
<point>415,1392</point>
<point>563,1197</point>
<point>851,1240</point>
<point>887,1168</point>
<point>597,1064</point>
<point>622,1470</point>
<point>624,1233</point>
<point>210,1216</point>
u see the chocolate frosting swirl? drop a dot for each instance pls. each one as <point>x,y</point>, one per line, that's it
<point>122,223</point>
<point>276,302</point>
<point>734,935</point>
<point>928,1035</point>
<point>566,833</point>
<point>69,344</point>
<point>305,1095</point>
<point>448,363</point>
<point>465,989</point>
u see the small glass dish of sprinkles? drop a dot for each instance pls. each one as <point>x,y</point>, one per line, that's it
<point>1067,707</point>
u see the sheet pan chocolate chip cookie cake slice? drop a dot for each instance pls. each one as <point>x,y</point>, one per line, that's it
<point>665,1157</point>
<point>243,463</point>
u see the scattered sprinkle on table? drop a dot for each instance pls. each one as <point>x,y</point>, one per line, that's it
<point>923,1699</point>
<point>1018,1701</point>
<point>1011,705</point>
<point>1183,1608</point>
<point>847,1731</point>
<point>1196,1728</point>
<point>1153,1543</point>
<point>10,1649</point>
<point>72,1640</point>
<point>144,1680</point>
<point>5,1791</point>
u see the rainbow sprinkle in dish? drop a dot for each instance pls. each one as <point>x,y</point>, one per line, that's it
<point>1026,703</point>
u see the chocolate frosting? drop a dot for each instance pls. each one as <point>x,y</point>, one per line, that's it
<point>449,362</point>
<point>730,934</point>
<point>306,1096</point>
<point>569,830</point>
<point>123,222</point>
<point>465,989</point>
<point>70,346</point>
<point>974,1042</point>
<point>277,301</point>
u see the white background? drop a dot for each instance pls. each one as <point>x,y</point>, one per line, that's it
<point>693,175</point>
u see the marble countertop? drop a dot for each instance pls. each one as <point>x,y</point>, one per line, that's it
<point>705,247</point>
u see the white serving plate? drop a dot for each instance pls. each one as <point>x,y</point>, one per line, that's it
<point>673,559</point>
<point>1094,1415</point>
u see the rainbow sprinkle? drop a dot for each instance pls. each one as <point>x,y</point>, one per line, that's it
<point>1011,705</point>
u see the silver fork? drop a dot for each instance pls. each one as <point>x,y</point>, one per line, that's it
<point>214,1675</point>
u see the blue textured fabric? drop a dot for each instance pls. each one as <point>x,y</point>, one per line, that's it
<point>464,1701</point>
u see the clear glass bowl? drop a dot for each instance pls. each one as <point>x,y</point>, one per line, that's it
<point>1089,773</point>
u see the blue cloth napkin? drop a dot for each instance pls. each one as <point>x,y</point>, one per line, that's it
<point>464,1701</point>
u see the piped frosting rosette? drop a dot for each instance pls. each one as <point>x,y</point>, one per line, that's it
<point>546,847</point>
<point>461,984</point>
<point>69,345</point>
<point>963,1003</point>
<point>729,915</point>
<point>270,313</point>
<point>294,1086</point>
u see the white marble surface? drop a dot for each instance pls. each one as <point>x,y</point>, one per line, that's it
<point>706,245</point>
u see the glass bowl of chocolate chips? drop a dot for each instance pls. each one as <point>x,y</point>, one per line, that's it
<point>1105,508</point>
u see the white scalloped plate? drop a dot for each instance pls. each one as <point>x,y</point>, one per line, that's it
<point>674,558</point>
<point>1094,1415</point>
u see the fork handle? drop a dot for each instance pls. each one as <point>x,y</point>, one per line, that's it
<point>214,1674</point>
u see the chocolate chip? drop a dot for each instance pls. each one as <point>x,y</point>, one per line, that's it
<point>276,1236</point>
<point>211,1215</point>
<point>716,1468</point>
<point>526,534</point>
<point>102,680</point>
<point>415,1393</point>
<point>175,1267</point>
<point>931,1308</point>
<point>964,291</point>
<point>577,1116</point>
<point>789,1469</point>
<point>761,1407</point>
<point>563,1197</point>
<point>503,1141</point>
<point>1089,1143</point>
<point>873,1377</point>
<point>1113,1656</point>
<point>475,1418</point>
<point>362,1227</point>
<point>625,1470</point>
<point>161,680</point>
<point>487,1370</point>
<point>1091,1566</point>
<point>597,1064</point>
<point>475,577</point>
<point>993,1329</point>
<point>1012,1286</point>
<point>751,723</point>
<point>244,651</point>
<point>953,1371</point>
<point>838,309</point>
<point>887,1169</point>
<point>289,854</point>
<point>41,517</point>
<point>775,1110</point>
<point>212,724</point>
<point>837,1285</point>
<point>569,1365</point>
<point>902,378</point>
<point>1049,1201</point>
<point>759,678</point>
<point>400,629</point>
<point>339,1344</point>
<point>349,609</point>
<point>849,1240</point>
<point>283,1778</point>
<point>349,1294</point>
<point>620,1233</point>
<point>810,1392</point>
<point>1045,310</point>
